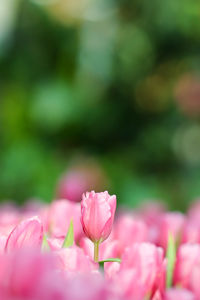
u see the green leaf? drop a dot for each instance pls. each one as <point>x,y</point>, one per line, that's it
<point>101,262</point>
<point>171,258</point>
<point>110,260</point>
<point>45,246</point>
<point>69,239</point>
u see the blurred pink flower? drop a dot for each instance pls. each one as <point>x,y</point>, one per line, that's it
<point>28,233</point>
<point>157,296</point>
<point>194,211</point>
<point>78,180</point>
<point>170,223</point>
<point>191,232</point>
<point>179,294</point>
<point>145,263</point>
<point>59,216</point>
<point>128,230</point>
<point>74,260</point>
<point>187,269</point>
<point>90,287</point>
<point>97,215</point>
<point>151,213</point>
<point>22,274</point>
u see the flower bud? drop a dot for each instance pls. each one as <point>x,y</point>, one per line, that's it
<point>97,215</point>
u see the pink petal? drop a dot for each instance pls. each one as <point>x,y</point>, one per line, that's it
<point>28,233</point>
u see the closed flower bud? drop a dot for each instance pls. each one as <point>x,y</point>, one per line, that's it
<point>97,215</point>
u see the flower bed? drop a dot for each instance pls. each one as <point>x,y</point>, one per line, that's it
<point>74,251</point>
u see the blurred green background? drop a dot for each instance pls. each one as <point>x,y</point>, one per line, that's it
<point>112,84</point>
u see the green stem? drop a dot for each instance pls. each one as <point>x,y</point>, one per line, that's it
<point>96,251</point>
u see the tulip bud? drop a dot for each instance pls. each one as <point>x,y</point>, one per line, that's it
<point>97,215</point>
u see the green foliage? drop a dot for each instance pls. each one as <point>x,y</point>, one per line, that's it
<point>103,81</point>
<point>69,239</point>
<point>171,259</point>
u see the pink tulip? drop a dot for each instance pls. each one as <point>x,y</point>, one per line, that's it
<point>111,269</point>
<point>170,223</point>
<point>151,213</point>
<point>147,262</point>
<point>97,215</point>
<point>59,216</point>
<point>22,274</point>
<point>128,285</point>
<point>179,294</point>
<point>28,233</point>
<point>187,269</point>
<point>194,211</point>
<point>157,296</point>
<point>90,287</point>
<point>74,260</point>
<point>191,232</point>
<point>135,229</point>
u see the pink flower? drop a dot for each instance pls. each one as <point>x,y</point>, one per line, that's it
<point>146,263</point>
<point>74,260</point>
<point>97,215</point>
<point>128,230</point>
<point>22,274</point>
<point>157,296</point>
<point>60,214</point>
<point>179,294</point>
<point>191,232</point>
<point>187,269</point>
<point>28,233</point>
<point>170,223</point>
<point>78,180</point>
<point>194,211</point>
<point>90,287</point>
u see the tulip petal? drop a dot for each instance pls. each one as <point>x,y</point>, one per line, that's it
<point>28,233</point>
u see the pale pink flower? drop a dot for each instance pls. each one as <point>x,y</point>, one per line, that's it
<point>90,287</point>
<point>128,285</point>
<point>194,211</point>
<point>130,229</point>
<point>187,269</point>
<point>171,223</point>
<point>191,232</point>
<point>111,269</point>
<point>157,296</point>
<point>28,233</point>
<point>60,214</point>
<point>179,294</point>
<point>147,262</point>
<point>151,213</point>
<point>97,215</point>
<point>22,274</point>
<point>74,260</point>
